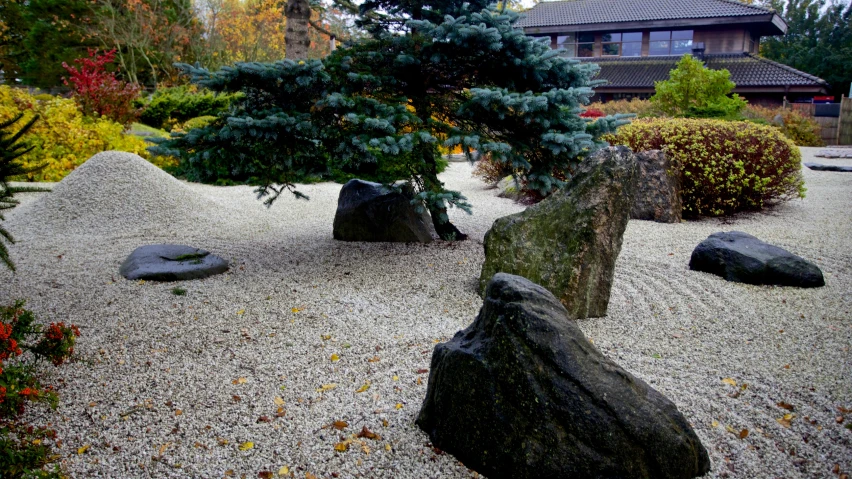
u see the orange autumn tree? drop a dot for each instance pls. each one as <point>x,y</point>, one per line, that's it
<point>242,31</point>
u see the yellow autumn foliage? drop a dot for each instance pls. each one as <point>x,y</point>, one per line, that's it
<point>63,138</point>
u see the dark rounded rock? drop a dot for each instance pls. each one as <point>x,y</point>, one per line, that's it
<point>369,211</point>
<point>740,257</point>
<point>521,393</point>
<point>821,167</point>
<point>171,262</point>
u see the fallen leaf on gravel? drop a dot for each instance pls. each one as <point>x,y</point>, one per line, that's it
<point>786,366</point>
<point>280,412</point>
<point>843,410</point>
<point>308,475</point>
<point>239,381</point>
<point>340,425</point>
<point>295,310</point>
<point>83,449</point>
<point>385,422</point>
<point>325,337</point>
<point>730,429</point>
<point>246,446</point>
<point>369,434</point>
<point>284,471</point>
<point>236,398</point>
<point>714,424</point>
<point>242,311</point>
<point>178,412</point>
<point>744,434</point>
<point>229,472</point>
<point>729,381</point>
<point>399,405</point>
<point>785,421</point>
<point>341,446</point>
<point>363,388</point>
<point>265,474</point>
<point>387,447</point>
<point>422,371</point>
<point>374,359</point>
<point>839,419</point>
<point>326,387</point>
<point>396,378</point>
<point>199,445</point>
<point>335,358</point>
<point>278,401</point>
<point>784,405</point>
<point>264,419</point>
<point>222,441</point>
<point>93,404</point>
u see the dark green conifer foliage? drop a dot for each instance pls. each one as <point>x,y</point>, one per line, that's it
<point>461,75</point>
<point>10,150</point>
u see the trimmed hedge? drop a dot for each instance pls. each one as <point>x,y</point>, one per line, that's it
<point>726,166</point>
<point>63,137</point>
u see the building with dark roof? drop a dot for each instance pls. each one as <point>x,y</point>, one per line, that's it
<point>638,42</point>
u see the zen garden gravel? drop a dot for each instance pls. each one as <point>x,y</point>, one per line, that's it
<point>307,340</point>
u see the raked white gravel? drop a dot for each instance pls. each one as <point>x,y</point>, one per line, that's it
<point>181,386</point>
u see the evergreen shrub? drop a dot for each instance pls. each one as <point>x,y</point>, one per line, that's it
<point>168,107</point>
<point>64,138</point>
<point>725,166</point>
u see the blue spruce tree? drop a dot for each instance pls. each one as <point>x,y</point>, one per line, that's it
<point>435,72</point>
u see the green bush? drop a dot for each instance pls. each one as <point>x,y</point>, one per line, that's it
<point>63,139</point>
<point>696,91</point>
<point>802,130</point>
<point>169,106</point>
<point>726,166</point>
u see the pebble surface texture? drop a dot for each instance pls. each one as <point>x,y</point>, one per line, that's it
<point>522,394</point>
<point>173,386</point>
<point>171,262</point>
<point>569,242</point>
<point>738,256</point>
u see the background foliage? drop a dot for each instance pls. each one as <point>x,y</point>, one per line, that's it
<point>726,166</point>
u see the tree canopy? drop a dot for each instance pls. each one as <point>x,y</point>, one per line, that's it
<point>695,90</point>
<point>453,74</point>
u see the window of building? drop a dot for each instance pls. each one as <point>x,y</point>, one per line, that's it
<point>675,42</point>
<point>567,42</point>
<point>585,45</point>
<point>622,44</point>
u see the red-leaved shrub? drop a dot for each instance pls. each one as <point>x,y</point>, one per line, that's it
<point>98,91</point>
<point>592,113</point>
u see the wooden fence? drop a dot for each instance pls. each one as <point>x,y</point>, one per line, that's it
<point>835,130</point>
<point>844,129</point>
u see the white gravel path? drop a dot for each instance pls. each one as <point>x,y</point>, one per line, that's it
<point>172,386</point>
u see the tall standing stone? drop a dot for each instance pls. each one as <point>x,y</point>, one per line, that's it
<point>569,242</point>
<point>522,394</point>
<point>658,189</point>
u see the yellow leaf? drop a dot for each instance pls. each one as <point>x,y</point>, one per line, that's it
<point>325,337</point>
<point>283,471</point>
<point>239,381</point>
<point>295,310</point>
<point>335,358</point>
<point>341,446</point>
<point>399,405</point>
<point>363,388</point>
<point>387,447</point>
<point>278,401</point>
<point>715,424</point>
<point>729,381</point>
<point>83,449</point>
<point>246,446</point>
<point>178,412</point>
<point>326,387</point>
<point>241,311</point>
<point>396,378</point>
<point>36,441</point>
<point>385,422</point>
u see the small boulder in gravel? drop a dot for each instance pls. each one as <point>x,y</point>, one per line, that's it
<point>742,258</point>
<point>658,189</point>
<point>171,262</point>
<point>368,211</point>
<point>509,188</point>
<point>569,242</point>
<point>521,393</point>
<point>821,167</point>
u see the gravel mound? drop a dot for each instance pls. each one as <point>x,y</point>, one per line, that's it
<point>116,193</point>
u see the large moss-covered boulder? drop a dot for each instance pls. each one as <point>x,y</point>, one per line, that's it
<point>521,393</point>
<point>569,242</point>
<point>368,211</point>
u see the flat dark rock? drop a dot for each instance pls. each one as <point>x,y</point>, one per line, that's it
<point>821,167</point>
<point>522,394</point>
<point>740,257</point>
<point>171,262</point>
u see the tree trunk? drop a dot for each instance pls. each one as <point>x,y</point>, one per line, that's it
<point>296,38</point>
<point>446,230</point>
